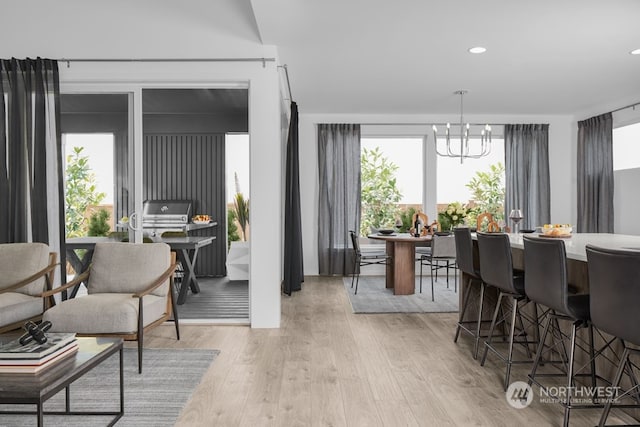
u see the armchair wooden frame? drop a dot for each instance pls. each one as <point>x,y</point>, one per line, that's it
<point>47,300</point>
<point>139,334</point>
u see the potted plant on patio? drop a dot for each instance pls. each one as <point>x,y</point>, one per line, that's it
<point>238,256</point>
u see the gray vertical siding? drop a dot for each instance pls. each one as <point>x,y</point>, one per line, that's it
<point>191,167</point>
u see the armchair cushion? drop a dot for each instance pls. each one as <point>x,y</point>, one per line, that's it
<point>128,268</point>
<point>104,313</point>
<point>16,307</point>
<point>21,260</point>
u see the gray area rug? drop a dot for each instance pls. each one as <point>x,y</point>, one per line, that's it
<point>373,297</point>
<point>154,398</point>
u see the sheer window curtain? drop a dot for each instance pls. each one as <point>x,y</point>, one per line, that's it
<point>595,174</point>
<point>31,180</point>
<point>339,195</point>
<point>527,173</point>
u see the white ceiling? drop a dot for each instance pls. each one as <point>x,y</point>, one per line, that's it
<point>409,56</point>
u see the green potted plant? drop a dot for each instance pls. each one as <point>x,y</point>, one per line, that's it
<point>238,256</point>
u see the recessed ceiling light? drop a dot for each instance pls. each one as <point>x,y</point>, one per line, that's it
<point>478,49</point>
<point>635,52</point>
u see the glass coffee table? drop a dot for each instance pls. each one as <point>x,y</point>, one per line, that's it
<point>35,389</point>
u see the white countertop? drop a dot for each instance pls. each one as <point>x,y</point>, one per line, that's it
<point>575,245</point>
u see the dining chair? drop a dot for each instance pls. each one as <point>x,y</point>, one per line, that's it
<point>441,256</point>
<point>496,269</point>
<point>363,259</point>
<point>614,286</point>
<point>546,283</point>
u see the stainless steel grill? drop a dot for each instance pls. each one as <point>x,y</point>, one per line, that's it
<point>166,215</point>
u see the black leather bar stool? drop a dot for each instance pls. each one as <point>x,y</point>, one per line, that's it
<point>496,269</point>
<point>546,283</point>
<point>614,285</point>
<point>464,259</point>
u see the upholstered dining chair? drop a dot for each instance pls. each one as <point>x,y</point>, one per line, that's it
<point>130,291</point>
<point>26,271</point>
<point>442,255</point>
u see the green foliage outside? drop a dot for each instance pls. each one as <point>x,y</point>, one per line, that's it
<point>80,192</point>
<point>99,223</point>
<point>380,194</point>
<point>487,189</point>
<point>241,207</point>
<point>406,218</point>
<point>232,228</point>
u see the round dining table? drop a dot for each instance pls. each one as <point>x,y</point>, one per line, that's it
<point>401,271</point>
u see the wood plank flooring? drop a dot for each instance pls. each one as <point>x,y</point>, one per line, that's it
<point>326,366</point>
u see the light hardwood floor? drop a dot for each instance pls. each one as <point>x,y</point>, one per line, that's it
<point>326,366</point>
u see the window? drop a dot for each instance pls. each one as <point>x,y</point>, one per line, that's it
<point>89,184</point>
<point>454,176</point>
<point>392,180</point>
<point>626,147</point>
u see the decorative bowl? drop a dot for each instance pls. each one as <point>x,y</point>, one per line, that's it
<point>199,221</point>
<point>386,231</point>
<point>557,230</point>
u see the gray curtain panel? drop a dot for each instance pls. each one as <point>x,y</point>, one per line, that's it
<point>31,180</point>
<point>526,149</point>
<point>595,175</point>
<point>339,195</point>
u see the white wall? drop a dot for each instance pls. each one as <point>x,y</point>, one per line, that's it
<point>562,162</point>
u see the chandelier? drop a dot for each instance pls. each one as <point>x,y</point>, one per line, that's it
<point>462,149</point>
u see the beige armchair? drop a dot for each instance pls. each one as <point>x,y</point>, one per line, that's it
<point>130,290</point>
<point>26,272</point>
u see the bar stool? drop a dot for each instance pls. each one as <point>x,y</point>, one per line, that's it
<point>614,284</point>
<point>546,283</point>
<point>496,269</point>
<point>464,259</point>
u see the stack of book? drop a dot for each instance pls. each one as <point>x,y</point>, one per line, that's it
<point>33,357</point>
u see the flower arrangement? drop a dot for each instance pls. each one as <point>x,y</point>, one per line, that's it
<point>454,215</point>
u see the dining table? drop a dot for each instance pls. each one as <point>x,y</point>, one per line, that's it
<point>401,271</point>
<point>186,248</point>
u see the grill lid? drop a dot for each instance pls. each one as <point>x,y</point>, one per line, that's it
<point>166,212</point>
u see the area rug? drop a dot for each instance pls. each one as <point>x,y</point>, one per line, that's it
<point>154,398</point>
<point>373,297</point>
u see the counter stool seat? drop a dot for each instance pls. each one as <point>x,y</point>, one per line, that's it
<point>547,284</point>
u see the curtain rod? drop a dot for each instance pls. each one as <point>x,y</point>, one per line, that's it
<point>624,108</point>
<point>263,60</point>
<point>286,73</point>
<point>430,124</point>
